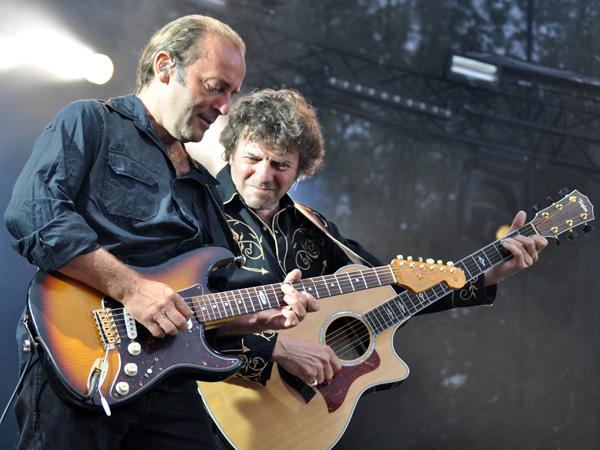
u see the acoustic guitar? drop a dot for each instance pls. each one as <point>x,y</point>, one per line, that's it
<point>359,327</point>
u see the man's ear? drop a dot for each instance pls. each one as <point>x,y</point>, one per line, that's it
<point>163,65</point>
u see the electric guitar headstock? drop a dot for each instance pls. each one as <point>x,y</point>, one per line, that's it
<point>418,276</point>
<point>572,210</point>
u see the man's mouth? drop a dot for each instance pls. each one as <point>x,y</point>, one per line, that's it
<point>262,188</point>
<point>208,122</point>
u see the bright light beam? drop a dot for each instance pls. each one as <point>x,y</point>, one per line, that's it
<point>49,49</point>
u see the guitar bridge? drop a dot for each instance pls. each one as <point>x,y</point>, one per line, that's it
<point>106,327</point>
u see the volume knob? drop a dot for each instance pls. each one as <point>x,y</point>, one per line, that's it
<point>131,369</point>
<point>122,388</point>
<point>134,348</point>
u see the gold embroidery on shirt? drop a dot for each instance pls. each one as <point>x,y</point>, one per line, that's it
<point>308,246</point>
<point>267,335</point>
<point>468,292</point>
<point>251,245</point>
<point>251,369</point>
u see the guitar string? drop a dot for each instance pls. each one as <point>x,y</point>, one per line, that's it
<point>488,251</point>
<point>346,282</point>
<point>339,336</point>
<point>217,305</point>
<point>492,252</point>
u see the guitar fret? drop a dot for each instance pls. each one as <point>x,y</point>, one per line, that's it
<point>360,279</point>
<point>321,288</point>
<point>350,280</point>
<point>462,266</point>
<point>377,276</point>
<point>502,252</point>
<point>210,312</point>
<point>377,317</point>
<point>244,301</point>
<point>327,287</point>
<point>252,295</point>
<point>219,307</point>
<point>274,299</point>
<point>400,306</point>
<point>227,309</point>
<point>333,285</point>
<point>236,301</point>
<point>479,261</point>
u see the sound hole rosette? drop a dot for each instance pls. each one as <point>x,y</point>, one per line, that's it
<point>350,337</point>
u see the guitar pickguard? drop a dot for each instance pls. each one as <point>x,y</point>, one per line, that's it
<point>336,391</point>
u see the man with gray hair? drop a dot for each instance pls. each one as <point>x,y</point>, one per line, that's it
<point>110,185</point>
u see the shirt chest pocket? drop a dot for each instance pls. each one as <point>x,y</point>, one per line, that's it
<point>130,189</point>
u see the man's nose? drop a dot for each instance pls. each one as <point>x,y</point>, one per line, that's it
<point>264,172</point>
<point>223,104</point>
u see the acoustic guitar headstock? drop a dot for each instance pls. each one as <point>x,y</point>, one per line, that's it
<point>572,210</point>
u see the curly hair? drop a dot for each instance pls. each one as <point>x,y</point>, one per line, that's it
<point>179,39</point>
<point>282,120</point>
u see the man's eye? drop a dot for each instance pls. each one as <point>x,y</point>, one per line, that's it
<point>213,89</point>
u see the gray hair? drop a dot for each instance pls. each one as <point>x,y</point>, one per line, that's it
<point>179,39</point>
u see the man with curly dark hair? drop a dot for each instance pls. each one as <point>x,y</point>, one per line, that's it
<point>272,139</point>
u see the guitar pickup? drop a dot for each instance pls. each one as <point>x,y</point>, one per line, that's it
<point>106,327</point>
<point>130,325</point>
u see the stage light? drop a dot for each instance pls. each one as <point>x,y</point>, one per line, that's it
<point>389,97</point>
<point>99,69</point>
<point>52,50</point>
<point>501,231</point>
<point>474,70</point>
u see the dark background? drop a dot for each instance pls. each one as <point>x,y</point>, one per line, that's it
<point>523,374</point>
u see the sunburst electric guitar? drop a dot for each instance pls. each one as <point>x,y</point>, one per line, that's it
<point>288,414</point>
<point>96,354</point>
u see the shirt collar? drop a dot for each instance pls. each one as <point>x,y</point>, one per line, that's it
<point>131,107</point>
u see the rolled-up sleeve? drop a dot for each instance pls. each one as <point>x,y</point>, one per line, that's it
<point>41,215</point>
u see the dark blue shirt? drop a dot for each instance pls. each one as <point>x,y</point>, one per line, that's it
<point>100,177</point>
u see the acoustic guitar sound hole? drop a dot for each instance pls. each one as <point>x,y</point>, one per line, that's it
<point>349,338</point>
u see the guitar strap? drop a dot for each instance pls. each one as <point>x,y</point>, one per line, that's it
<point>353,256</point>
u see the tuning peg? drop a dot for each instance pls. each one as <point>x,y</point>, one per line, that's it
<point>564,191</point>
<point>550,199</point>
<point>587,228</point>
<point>557,241</point>
<point>440,262</point>
<point>429,261</point>
<point>535,208</point>
<point>399,257</point>
<point>572,235</point>
<point>409,258</point>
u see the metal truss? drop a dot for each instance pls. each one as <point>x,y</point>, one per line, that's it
<point>524,120</point>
